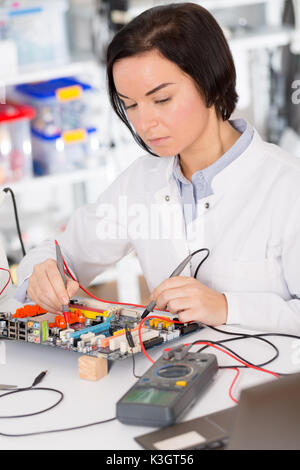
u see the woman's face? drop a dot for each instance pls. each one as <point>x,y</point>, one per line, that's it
<point>162,103</point>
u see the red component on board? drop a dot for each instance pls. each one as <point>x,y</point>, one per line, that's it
<point>29,311</point>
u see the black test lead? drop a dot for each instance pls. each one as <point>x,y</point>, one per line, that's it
<point>176,272</point>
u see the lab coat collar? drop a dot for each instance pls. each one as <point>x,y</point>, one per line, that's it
<point>241,168</point>
<point>227,179</point>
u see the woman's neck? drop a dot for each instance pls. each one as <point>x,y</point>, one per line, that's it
<point>216,139</point>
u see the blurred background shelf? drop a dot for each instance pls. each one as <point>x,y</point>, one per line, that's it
<point>213,4</point>
<point>270,37</point>
<point>137,6</point>
<point>50,181</point>
<point>45,72</point>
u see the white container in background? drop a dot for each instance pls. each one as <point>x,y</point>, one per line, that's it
<point>38,29</point>
<point>61,153</point>
<point>15,142</point>
<point>9,58</point>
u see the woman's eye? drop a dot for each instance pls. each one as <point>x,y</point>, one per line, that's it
<point>163,101</point>
<point>129,107</point>
<point>134,105</point>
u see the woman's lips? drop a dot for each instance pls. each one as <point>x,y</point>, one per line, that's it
<point>158,141</point>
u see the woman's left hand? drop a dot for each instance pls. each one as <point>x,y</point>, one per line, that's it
<point>191,301</point>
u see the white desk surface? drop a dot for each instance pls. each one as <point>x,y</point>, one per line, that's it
<point>86,402</point>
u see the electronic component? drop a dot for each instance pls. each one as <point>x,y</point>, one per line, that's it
<point>168,389</point>
<point>95,328</point>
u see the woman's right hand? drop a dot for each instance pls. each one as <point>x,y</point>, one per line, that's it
<point>46,287</point>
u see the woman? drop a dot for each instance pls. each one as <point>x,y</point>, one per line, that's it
<point>205,182</point>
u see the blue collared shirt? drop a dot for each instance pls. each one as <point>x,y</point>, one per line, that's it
<point>200,186</point>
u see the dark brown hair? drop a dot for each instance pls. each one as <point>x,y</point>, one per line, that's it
<point>188,35</point>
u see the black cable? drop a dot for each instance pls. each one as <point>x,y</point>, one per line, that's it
<point>131,344</point>
<point>262,364</point>
<point>256,335</point>
<point>221,342</point>
<point>200,264</point>
<point>17,218</point>
<point>283,335</point>
<point>177,271</point>
<point>33,387</point>
<point>50,431</point>
<point>133,367</point>
<point>239,336</point>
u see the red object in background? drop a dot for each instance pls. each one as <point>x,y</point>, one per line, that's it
<point>13,112</point>
<point>15,141</point>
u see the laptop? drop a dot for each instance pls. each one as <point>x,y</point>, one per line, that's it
<point>266,418</point>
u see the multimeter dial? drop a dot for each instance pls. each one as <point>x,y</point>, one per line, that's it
<point>174,371</point>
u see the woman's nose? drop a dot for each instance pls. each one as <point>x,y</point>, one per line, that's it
<point>146,120</point>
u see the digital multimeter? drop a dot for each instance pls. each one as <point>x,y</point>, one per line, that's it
<point>167,390</point>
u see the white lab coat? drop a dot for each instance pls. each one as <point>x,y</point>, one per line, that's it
<point>250,224</point>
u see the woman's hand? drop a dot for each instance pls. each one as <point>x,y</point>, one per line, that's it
<point>191,301</point>
<point>46,287</point>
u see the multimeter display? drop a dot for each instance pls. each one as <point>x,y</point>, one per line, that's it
<point>167,390</point>
<point>150,395</point>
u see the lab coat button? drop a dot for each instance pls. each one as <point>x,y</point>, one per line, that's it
<point>206,205</point>
<point>167,198</point>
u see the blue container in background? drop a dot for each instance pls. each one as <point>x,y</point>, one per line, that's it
<point>61,104</point>
<point>55,154</point>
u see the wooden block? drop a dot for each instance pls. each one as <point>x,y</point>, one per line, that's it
<point>92,368</point>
